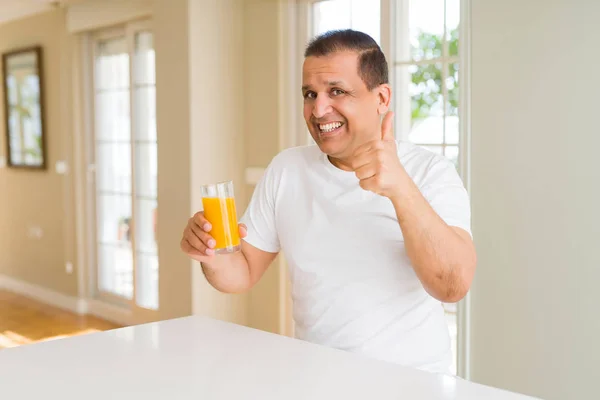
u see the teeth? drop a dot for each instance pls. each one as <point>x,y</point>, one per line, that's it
<point>329,127</point>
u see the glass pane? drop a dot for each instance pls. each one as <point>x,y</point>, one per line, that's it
<point>113,168</point>
<point>146,225</point>
<point>330,15</point>
<point>361,15</point>
<point>452,322</point>
<point>15,136</point>
<point>112,65</point>
<point>112,115</point>
<point>113,165</point>
<point>452,24</point>
<point>145,113</point>
<point>144,66</point>
<point>452,130</point>
<point>366,17</point>
<point>452,87</point>
<point>450,308</point>
<point>452,120</point>
<point>115,270</point>
<point>115,255</point>
<point>114,219</point>
<point>427,104</point>
<point>426,28</point>
<point>147,280</point>
<point>452,153</point>
<point>146,172</point>
<point>13,92</point>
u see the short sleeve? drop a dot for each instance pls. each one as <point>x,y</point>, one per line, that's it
<point>445,191</point>
<point>259,217</point>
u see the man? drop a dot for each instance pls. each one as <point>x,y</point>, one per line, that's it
<point>376,232</point>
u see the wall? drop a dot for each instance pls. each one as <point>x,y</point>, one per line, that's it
<point>218,112</point>
<point>218,106</point>
<point>233,70</point>
<point>42,262</point>
<point>170,24</point>
<point>233,67</point>
<point>217,135</point>
<point>262,114</point>
<point>535,193</point>
<point>40,198</point>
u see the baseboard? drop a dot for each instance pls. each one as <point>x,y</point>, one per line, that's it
<point>45,295</point>
<point>109,312</point>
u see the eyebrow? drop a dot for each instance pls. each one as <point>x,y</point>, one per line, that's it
<point>329,83</point>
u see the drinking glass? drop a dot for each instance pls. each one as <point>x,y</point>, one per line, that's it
<point>218,202</point>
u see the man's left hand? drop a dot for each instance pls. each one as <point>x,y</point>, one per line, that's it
<point>376,163</point>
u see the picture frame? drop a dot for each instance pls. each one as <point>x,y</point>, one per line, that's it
<point>24,108</point>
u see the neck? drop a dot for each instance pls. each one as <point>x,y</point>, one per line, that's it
<point>344,164</point>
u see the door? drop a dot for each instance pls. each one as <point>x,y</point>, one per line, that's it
<point>123,169</point>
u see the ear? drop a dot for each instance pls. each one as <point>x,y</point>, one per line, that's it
<point>384,95</point>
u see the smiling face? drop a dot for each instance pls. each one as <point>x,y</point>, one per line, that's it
<point>340,111</point>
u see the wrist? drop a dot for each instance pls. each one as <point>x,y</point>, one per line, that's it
<point>406,198</point>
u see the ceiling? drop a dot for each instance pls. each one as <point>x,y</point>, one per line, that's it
<point>15,9</point>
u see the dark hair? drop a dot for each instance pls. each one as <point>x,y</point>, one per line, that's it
<point>372,66</point>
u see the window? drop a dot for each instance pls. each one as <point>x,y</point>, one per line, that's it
<point>425,74</point>
<point>425,79</point>
<point>125,152</point>
<point>424,70</point>
<point>326,15</point>
<point>359,15</point>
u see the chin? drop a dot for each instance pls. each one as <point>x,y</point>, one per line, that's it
<point>331,149</point>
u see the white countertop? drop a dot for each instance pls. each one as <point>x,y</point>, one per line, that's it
<point>199,358</point>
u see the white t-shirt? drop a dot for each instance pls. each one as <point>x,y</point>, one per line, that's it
<point>353,286</point>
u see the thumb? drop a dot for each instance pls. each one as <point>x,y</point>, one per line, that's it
<point>387,127</point>
<point>243,230</point>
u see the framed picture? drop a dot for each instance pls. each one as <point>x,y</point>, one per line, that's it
<point>24,108</point>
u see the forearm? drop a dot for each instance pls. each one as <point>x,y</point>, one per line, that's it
<point>228,273</point>
<point>443,260</point>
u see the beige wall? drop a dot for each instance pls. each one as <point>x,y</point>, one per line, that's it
<point>218,109</point>
<point>218,112</point>
<point>220,93</point>
<point>262,77</point>
<point>217,126</point>
<point>261,80</point>
<point>40,198</point>
<point>174,173</point>
<point>42,261</point>
<point>535,192</point>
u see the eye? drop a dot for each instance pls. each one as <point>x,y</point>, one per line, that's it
<point>310,95</point>
<point>337,92</point>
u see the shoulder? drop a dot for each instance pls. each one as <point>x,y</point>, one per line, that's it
<point>294,158</point>
<point>423,165</point>
<point>288,165</point>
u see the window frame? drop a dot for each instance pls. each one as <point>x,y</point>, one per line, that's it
<point>399,56</point>
<point>393,11</point>
<point>129,30</point>
<point>394,14</point>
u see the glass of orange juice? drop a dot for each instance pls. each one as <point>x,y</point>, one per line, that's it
<point>218,202</point>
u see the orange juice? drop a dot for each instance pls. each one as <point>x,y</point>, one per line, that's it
<point>220,212</point>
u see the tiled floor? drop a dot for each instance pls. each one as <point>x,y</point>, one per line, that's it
<point>23,321</point>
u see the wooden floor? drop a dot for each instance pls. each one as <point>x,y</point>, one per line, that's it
<point>23,321</point>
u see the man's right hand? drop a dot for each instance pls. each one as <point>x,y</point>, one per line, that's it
<point>228,273</point>
<point>197,242</point>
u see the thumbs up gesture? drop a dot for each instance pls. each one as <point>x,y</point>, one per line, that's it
<point>376,163</point>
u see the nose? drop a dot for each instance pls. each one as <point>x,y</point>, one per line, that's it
<point>321,106</point>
